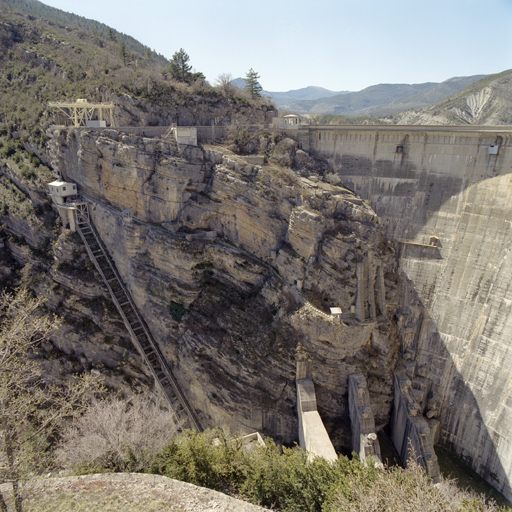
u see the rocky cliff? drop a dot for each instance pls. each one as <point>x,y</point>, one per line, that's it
<point>213,250</point>
<point>36,253</point>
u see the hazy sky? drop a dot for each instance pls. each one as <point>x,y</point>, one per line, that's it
<point>336,44</point>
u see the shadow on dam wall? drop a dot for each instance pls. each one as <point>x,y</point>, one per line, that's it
<point>455,312</point>
<point>463,427</point>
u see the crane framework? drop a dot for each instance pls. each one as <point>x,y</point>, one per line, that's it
<point>81,111</point>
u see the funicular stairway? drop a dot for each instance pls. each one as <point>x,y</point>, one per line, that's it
<point>141,336</point>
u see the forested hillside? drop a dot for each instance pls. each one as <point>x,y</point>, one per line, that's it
<point>39,10</point>
<point>381,99</point>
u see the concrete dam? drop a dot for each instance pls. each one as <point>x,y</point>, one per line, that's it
<point>444,196</point>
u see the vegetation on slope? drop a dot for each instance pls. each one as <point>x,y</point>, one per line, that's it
<point>283,479</point>
<point>44,61</point>
<point>56,16</point>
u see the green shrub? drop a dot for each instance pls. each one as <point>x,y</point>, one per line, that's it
<point>287,480</point>
<point>203,265</point>
<point>9,149</point>
<point>177,310</point>
<point>284,479</point>
<point>193,458</point>
<point>27,173</point>
<point>264,475</point>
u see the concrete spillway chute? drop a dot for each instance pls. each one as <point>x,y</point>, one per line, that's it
<point>83,113</point>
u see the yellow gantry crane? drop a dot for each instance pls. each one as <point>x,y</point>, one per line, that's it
<point>81,112</point>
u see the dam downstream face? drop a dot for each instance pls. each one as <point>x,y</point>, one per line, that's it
<point>455,310</point>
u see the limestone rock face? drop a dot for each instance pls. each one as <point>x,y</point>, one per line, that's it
<point>91,336</point>
<point>154,178</point>
<point>227,244</point>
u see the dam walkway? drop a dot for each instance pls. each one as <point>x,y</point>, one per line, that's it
<point>141,336</point>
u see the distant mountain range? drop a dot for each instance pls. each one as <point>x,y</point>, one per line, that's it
<point>377,100</point>
<point>310,93</point>
<point>477,99</point>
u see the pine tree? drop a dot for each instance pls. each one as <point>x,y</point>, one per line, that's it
<point>252,85</point>
<point>123,52</point>
<point>112,35</point>
<point>180,68</point>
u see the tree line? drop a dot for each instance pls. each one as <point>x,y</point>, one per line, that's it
<point>181,70</point>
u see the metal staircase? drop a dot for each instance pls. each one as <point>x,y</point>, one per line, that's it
<point>141,336</point>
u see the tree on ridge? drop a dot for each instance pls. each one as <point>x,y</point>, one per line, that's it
<point>223,82</point>
<point>252,85</point>
<point>180,68</point>
<point>123,52</point>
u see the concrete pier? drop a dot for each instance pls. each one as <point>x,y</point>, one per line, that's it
<point>364,435</point>
<point>313,438</point>
<point>411,434</point>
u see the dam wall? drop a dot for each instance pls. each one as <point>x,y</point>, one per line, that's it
<point>454,315</point>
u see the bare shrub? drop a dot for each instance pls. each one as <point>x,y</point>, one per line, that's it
<point>223,82</point>
<point>408,489</point>
<point>31,408</point>
<point>242,141</point>
<point>116,435</point>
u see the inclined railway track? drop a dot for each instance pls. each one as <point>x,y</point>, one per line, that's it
<point>141,336</point>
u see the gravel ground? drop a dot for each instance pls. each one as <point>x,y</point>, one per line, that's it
<point>125,492</point>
